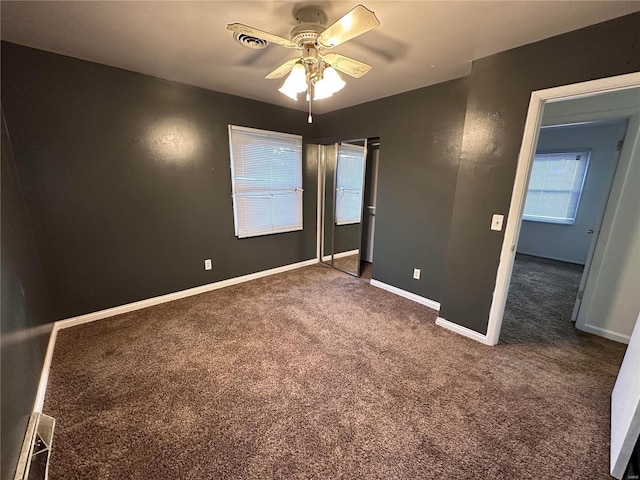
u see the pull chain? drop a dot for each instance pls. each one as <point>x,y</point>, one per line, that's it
<point>310,119</point>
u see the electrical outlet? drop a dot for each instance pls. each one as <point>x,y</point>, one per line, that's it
<point>207,264</point>
<point>496,222</point>
<point>416,273</point>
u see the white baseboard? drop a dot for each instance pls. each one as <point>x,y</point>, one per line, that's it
<point>603,332</point>
<point>464,331</point>
<point>130,307</point>
<point>326,258</point>
<point>403,293</point>
<point>551,257</point>
<point>46,366</point>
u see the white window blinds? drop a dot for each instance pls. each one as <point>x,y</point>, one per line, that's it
<point>266,178</point>
<point>349,183</point>
<point>555,187</point>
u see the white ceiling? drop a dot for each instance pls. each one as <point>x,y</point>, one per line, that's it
<point>605,106</point>
<point>418,43</point>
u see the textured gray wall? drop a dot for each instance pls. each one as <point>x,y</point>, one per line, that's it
<point>25,315</point>
<point>127,180</point>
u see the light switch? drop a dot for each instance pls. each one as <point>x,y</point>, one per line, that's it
<point>496,222</point>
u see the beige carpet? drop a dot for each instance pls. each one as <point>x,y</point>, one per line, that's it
<point>347,264</point>
<point>314,374</point>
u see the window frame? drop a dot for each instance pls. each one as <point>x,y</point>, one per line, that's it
<point>567,220</point>
<point>245,231</point>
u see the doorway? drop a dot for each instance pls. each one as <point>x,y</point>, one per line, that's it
<point>569,184</point>
<point>611,222</point>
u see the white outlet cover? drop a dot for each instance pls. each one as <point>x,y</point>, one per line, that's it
<point>416,273</point>
<point>496,222</point>
<point>207,264</point>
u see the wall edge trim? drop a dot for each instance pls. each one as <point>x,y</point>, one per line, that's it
<point>130,307</point>
<point>403,293</point>
<point>464,331</point>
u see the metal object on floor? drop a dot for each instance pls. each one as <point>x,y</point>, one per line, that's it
<point>33,463</point>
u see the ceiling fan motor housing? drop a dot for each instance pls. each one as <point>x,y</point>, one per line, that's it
<point>306,33</point>
<point>311,15</point>
<point>310,24</point>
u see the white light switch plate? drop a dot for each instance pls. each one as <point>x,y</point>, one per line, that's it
<point>496,222</point>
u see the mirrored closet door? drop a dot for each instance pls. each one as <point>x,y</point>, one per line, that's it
<point>343,168</point>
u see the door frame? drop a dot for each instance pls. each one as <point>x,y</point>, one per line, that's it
<point>525,160</point>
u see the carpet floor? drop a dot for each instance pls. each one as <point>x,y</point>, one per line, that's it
<point>540,302</point>
<point>347,264</point>
<point>314,374</point>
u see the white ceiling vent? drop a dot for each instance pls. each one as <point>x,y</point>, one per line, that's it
<point>250,42</point>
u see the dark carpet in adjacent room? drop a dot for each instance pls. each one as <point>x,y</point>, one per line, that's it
<point>314,374</point>
<point>540,302</point>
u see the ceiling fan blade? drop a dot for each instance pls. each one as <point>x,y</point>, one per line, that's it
<point>346,65</point>
<point>283,69</point>
<point>254,32</point>
<point>356,22</point>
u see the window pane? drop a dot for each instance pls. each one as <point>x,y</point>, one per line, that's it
<point>262,214</point>
<point>349,183</point>
<point>555,187</point>
<point>266,169</point>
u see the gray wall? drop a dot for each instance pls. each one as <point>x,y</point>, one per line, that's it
<point>499,94</point>
<point>570,243</point>
<point>25,314</point>
<point>127,180</point>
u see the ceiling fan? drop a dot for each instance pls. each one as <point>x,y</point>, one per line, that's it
<point>314,69</point>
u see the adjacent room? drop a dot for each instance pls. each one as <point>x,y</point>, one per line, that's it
<point>269,239</point>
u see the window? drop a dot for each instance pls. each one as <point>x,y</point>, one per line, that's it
<point>555,187</point>
<point>266,178</point>
<point>349,183</point>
